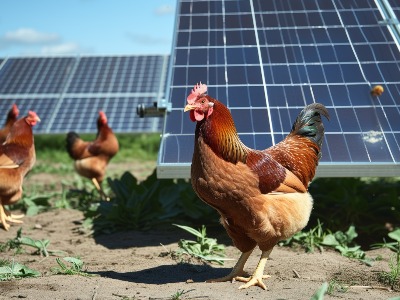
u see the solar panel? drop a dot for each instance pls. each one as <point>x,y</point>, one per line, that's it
<point>68,92</point>
<point>266,60</point>
<point>35,75</point>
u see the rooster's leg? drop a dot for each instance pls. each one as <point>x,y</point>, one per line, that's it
<point>98,187</point>
<point>3,217</point>
<point>258,275</point>
<point>237,269</point>
<point>6,216</point>
<point>13,217</point>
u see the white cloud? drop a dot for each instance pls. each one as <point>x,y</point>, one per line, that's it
<point>65,48</point>
<point>29,36</point>
<point>373,136</point>
<point>164,10</point>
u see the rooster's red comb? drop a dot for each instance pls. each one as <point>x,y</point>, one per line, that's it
<point>198,90</point>
<point>15,109</point>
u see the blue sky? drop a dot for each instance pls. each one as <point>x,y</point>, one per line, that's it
<point>99,27</point>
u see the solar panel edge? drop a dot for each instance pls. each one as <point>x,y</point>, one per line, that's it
<point>171,171</point>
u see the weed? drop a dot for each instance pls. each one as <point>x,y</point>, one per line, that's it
<point>12,270</point>
<point>394,246</point>
<point>342,201</point>
<point>146,204</point>
<point>341,241</point>
<point>319,294</point>
<point>344,243</point>
<point>34,203</point>
<point>75,267</point>
<point>336,286</point>
<point>19,241</point>
<point>178,294</point>
<point>392,277</point>
<point>204,248</point>
<point>78,193</point>
<point>12,244</point>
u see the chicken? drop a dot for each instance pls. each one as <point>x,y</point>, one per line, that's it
<point>91,158</point>
<point>12,117</point>
<point>17,157</point>
<point>261,196</point>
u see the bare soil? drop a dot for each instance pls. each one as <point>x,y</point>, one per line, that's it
<point>139,265</point>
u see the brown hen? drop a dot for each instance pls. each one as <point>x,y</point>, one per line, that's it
<point>92,157</point>
<point>17,157</point>
<point>261,196</point>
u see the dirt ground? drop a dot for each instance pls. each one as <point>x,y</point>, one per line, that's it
<point>138,265</point>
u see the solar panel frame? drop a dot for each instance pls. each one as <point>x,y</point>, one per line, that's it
<point>335,50</point>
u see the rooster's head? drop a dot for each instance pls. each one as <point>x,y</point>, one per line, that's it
<point>32,118</point>
<point>199,104</point>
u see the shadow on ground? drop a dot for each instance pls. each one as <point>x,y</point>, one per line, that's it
<point>168,274</point>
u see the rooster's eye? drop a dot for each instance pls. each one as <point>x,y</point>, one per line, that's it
<point>203,101</point>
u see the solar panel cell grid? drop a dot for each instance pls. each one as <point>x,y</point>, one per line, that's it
<point>66,92</point>
<point>296,52</point>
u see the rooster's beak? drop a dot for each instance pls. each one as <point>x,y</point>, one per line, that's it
<point>189,107</point>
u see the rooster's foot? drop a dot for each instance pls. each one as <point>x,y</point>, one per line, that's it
<point>258,275</point>
<point>253,281</point>
<point>7,217</point>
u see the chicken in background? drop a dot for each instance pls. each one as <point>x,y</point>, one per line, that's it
<point>261,196</point>
<point>91,158</point>
<point>17,157</point>
<point>12,117</point>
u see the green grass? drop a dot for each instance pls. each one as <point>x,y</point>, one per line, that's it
<point>392,277</point>
<point>51,153</point>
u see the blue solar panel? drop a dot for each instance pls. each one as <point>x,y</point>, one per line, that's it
<point>268,59</point>
<point>68,92</point>
<point>35,75</point>
<point>125,74</point>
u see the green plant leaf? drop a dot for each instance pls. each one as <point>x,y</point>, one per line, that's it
<point>16,270</point>
<point>190,230</point>
<point>330,240</point>
<point>395,235</point>
<point>319,294</point>
<point>75,261</point>
<point>351,234</point>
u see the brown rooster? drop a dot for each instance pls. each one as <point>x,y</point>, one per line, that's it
<point>261,195</point>
<point>12,117</point>
<point>17,157</point>
<point>91,158</point>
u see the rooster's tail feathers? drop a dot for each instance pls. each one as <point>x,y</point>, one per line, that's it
<point>309,123</point>
<point>72,137</point>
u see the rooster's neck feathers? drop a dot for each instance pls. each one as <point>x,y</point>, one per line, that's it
<point>219,132</point>
<point>21,133</point>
